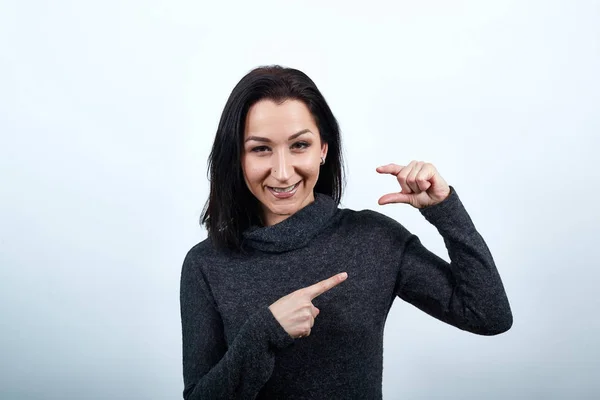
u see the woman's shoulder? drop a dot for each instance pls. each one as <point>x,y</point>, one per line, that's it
<point>206,254</point>
<point>202,248</point>
<point>197,255</point>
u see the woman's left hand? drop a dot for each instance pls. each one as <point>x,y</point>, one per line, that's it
<point>422,185</point>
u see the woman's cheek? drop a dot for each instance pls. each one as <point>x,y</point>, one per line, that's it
<point>310,168</point>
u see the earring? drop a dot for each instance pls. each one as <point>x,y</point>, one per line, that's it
<point>322,160</point>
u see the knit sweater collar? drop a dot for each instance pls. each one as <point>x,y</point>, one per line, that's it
<point>296,231</point>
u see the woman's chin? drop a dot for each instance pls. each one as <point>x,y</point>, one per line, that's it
<point>281,208</point>
<point>279,212</point>
<point>283,211</point>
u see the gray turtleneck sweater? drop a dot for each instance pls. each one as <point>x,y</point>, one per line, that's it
<point>233,347</point>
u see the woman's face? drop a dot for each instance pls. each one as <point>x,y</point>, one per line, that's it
<point>281,157</point>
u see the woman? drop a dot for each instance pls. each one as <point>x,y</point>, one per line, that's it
<point>288,296</point>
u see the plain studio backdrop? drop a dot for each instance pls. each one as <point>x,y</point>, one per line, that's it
<point>108,111</point>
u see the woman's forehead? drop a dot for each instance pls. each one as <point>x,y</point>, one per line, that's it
<point>278,121</point>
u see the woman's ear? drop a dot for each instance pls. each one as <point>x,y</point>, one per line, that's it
<point>324,149</point>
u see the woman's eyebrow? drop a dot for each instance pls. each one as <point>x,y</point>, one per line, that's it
<point>263,139</point>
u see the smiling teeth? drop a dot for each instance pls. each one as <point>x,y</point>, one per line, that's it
<point>284,190</point>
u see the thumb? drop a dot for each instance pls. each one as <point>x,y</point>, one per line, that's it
<point>395,198</point>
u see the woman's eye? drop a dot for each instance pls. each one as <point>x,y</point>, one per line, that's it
<point>300,145</point>
<point>260,149</point>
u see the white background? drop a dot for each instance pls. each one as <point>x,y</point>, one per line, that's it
<point>107,114</point>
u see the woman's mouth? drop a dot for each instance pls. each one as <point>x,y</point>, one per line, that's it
<point>284,192</point>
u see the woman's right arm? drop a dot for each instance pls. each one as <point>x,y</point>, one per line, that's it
<point>211,370</point>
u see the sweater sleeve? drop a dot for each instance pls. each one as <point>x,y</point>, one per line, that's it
<point>467,292</point>
<point>211,369</point>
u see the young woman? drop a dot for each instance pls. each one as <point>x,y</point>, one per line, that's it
<point>288,296</point>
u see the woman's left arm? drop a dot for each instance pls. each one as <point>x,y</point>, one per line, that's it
<point>467,292</point>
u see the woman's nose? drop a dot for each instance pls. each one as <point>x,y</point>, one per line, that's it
<point>281,168</point>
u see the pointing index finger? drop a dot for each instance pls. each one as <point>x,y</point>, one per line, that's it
<point>393,169</point>
<point>321,287</point>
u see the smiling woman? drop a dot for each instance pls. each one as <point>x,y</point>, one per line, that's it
<point>279,251</point>
<point>280,169</point>
<point>276,131</point>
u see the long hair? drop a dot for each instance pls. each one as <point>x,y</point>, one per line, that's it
<point>231,207</point>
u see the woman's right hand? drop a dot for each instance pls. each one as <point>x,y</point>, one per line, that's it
<point>296,313</point>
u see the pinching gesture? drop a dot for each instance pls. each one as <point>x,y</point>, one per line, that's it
<point>421,184</point>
